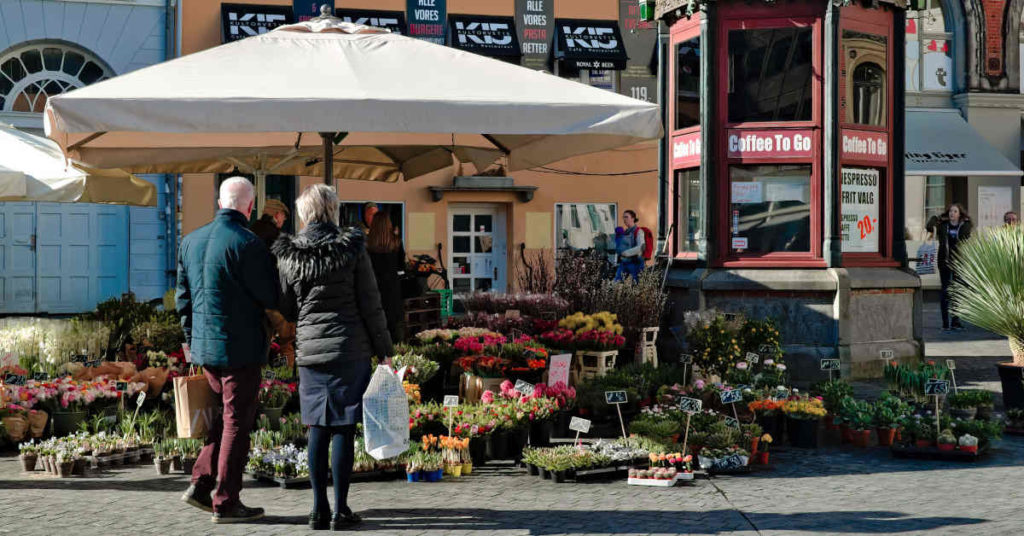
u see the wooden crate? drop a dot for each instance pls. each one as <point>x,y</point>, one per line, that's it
<point>422,313</point>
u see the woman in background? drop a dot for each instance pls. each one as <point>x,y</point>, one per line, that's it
<point>388,258</point>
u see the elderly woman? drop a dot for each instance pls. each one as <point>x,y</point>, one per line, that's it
<point>328,287</point>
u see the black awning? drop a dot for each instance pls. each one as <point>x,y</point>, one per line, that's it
<point>589,44</point>
<point>239,21</point>
<point>484,35</point>
<point>393,21</point>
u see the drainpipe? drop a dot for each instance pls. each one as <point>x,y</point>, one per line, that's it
<point>663,173</point>
<point>171,43</point>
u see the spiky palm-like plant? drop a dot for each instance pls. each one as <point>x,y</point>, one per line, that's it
<point>990,293</point>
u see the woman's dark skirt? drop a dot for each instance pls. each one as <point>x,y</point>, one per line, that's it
<point>331,394</point>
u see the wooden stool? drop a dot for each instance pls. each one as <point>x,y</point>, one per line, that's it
<point>647,348</point>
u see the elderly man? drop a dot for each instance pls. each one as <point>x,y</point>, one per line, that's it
<point>226,280</point>
<point>268,227</point>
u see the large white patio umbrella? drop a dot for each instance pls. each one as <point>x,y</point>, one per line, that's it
<point>329,98</point>
<point>34,169</point>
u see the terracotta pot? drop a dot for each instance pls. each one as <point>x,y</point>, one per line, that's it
<point>862,438</point>
<point>972,449</point>
<point>28,462</point>
<point>754,444</point>
<point>886,436</point>
<point>830,423</point>
<point>847,434</point>
<point>762,458</point>
<point>923,443</point>
<point>946,447</point>
<point>64,470</point>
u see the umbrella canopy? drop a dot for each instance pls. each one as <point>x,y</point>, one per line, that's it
<point>34,169</point>
<point>271,101</point>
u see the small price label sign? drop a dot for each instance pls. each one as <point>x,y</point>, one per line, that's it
<point>121,386</point>
<point>615,397</point>
<point>685,359</point>
<point>269,374</point>
<point>14,379</point>
<point>731,396</point>
<point>141,399</point>
<point>40,376</point>
<point>830,364</point>
<point>690,405</point>
<point>734,423</point>
<point>936,387</point>
<point>753,358</point>
<point>951,364</point>
<point>886,354</point>
<point>525,388</point>
<point>732,462</point>
<point>577,424</point>
<point>451,401</point>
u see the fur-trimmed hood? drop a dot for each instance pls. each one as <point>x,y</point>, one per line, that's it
<point>318,250</point>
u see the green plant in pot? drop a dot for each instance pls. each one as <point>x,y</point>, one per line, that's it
<point>947,441</point>
<point>962,405</point>
<point>988,294</point>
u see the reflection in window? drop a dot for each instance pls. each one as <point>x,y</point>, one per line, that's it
<point>770,74</point>
<point>770,209</point>
<point>354,214</point>
<point>688,83</point>
<point>688,226</point>
<point>929,49</point>
<point>868,94</point>
<point>583,226</point>
<point>865,56</point>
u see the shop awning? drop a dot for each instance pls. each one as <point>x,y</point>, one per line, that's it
<point>488,36</point>
<point>590,44</point>
<point>940,142</point>
<point>392,21</point>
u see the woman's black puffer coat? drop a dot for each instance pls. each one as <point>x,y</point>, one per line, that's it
<point>330,291</point>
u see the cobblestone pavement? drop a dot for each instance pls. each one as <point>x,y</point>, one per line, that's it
<point>829,491</point>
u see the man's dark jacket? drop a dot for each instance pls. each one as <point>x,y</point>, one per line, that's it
<point>226,280</point>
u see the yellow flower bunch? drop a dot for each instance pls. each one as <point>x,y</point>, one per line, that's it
<point>805,407</point>
<point>579,322</point>
<point>412,392</point>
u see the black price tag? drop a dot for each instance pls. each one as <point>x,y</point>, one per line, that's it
<point>731,396</point>
<point>121,386</point>
<point>14,379</point>
<point>615,397</point>
<point>269,374</point>
<point>690,405</point>
<point>936,387</point>
<point>40,376</point>
<point>830,364</point>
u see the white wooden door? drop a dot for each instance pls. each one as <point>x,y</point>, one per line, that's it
<point>478,249</point>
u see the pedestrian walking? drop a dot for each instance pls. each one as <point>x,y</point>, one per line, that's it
<point>226,280</point>
<point>633,246</point>
<point>268,227</point>
<point>953,229</point>
<point>328,287</point>
<point>388,258</point>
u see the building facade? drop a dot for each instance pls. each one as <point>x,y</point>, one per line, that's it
<point>65,258</point>
<point>484,226</point>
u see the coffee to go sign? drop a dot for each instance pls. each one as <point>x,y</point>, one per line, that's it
<point>769,144</point>
<point>868,146</point>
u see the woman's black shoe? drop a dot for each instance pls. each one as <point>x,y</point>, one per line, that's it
<point>345,521</point>
<point>320,520</point>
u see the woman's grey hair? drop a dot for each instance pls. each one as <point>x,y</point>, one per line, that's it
<point>318,203</point>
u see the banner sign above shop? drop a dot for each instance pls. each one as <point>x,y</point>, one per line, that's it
<point>239,21</point>
<point>860,210</point>
<point>535,20</point>
<point>590,44</point>
<point>686,150</point>
<point>487,36</point>
<point>392,21</point>
<point>868,146</point>
<point>427,19</point>
<point>308,9</point>
<point>639,80</point>
<point>769,144</point>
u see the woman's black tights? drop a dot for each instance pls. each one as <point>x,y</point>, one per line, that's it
<point>340,442</point>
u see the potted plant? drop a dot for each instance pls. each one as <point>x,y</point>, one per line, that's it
<point>887,412</point>
<point>189,453</point>
<point>987,293</point>
<point>802,417</point>
<point>28,453</point>
<point>414,466</point>
<point>924,434</point>
<point>832,394</point>
<point>968,443</point>
<point>273,396</point>
<point>962,405</point>
<point>66,463</point>
<point>763,447</point>
<point>863,422</point>
<point>768,414</point>
<point>984,404</point>
<point>947,441</point>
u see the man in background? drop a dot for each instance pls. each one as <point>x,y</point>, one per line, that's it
<point>268,227</point>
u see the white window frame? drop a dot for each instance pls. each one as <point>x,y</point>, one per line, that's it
<point>922,38</point>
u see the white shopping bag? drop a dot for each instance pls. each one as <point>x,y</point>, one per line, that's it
<point>385,415</point>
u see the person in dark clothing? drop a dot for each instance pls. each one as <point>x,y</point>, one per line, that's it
<point>226,280</point>
<point>388,258</point>
<point>328,288</point>
<point>268,227</point>
<point>951,230</point>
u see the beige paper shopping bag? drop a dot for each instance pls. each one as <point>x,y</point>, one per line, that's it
<point>195,406</point>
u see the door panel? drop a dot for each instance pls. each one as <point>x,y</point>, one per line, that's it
<point>17,258</point>
<point>478,250</point>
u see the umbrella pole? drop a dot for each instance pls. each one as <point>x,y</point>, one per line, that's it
<point>328,142</point>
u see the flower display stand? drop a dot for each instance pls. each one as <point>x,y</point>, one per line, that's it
<point>647,348</point>
<point>591,365</point>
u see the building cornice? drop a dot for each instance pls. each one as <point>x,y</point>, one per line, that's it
<point>1013,101</point>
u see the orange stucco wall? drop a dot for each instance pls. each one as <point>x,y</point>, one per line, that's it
<point>201,30</point>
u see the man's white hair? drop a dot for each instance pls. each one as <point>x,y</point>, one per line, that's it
<point>237,193</point>
<point>318,203</point>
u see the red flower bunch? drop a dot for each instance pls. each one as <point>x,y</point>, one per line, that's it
<point>559,338</point>
<point>469,346</point>
<point>542,326</point>
<point>599,339</point>
<point>536,364</point>
<point>483,366</point>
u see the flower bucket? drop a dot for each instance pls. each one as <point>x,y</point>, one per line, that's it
<point>516,442</point>
<point>886,436</point>
<point>436,476</point>
<point>803,433</point>
<point>65,423</point>
<point>80,465</point>
<point>187,464</point>
<point>467,469</point>
<point>923,443</point>
<point>544,473</point>
<point>162,465</point>
<point>455,470</point>
<point>478,450</point>
<point>274,416</point>
<point>946,447</point>
<point>532,469</point>
<point>37,423</point>
<point>862,438</point>
<point>497,446</point>
<point>413,476</point>
<point>175,463</point>
<point>557,477</point>
<point>762,458</point>
<point>28,462</point>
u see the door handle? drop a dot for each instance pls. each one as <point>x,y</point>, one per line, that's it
<point>32,242</point>
<point>495,273</point>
